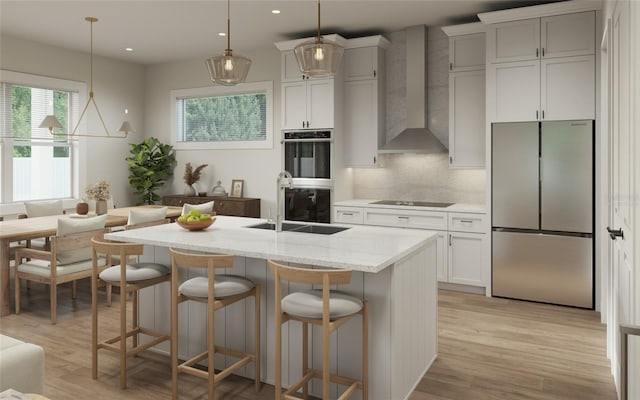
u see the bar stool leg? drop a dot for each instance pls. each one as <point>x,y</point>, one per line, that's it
<point>211,343</point>
<point>305,358</point>
<point>174,335</point>
<point>365,350</point>
<point>123,338</point>
<point>134,317</point>
<point>325,360</point>
<point>257,359</point>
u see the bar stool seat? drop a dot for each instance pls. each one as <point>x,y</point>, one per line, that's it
<point>308,304</point>
<point>134,272</point>
<point>224,286</point>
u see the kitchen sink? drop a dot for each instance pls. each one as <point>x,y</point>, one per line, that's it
<point>291,227</point>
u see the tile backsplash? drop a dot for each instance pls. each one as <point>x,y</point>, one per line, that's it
<point>419,177</point>
<point>415,176</point>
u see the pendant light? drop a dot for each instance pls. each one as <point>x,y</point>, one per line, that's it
<point>318,57</point>
<point>51,122</point>
<point>226,68</point>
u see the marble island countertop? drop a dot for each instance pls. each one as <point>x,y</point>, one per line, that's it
<point>457,207</point>
<point>360,248</point>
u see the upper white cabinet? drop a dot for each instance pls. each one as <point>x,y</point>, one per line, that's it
<point>537,38</point>
<point>290,72</point>
<point>467,52</point>
<point>466,95</point>
<point>542,69</point>
<point>364,100</point>
<point>308,104</point>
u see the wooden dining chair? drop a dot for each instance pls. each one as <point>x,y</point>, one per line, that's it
<point>326,308</point>
<point>68,260</point>
<point>35,209</point>
<point>130,278</point>
<point>217,291</point>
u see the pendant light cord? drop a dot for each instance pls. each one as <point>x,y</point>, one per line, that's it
<point>91,60</point>
<point>228,26</point>
<point>318,19</point>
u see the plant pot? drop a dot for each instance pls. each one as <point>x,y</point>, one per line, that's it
<point>82,208</point>
<point>190,191</point>
<point>101,207</point>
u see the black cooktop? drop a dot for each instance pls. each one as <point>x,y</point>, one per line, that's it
<point>412,203</point>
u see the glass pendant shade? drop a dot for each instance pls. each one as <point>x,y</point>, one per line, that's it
<point>228,68</point>
<point>319,57</point>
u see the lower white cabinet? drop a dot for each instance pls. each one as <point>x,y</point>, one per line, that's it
<point>462,248</point>
<point>466,258</point>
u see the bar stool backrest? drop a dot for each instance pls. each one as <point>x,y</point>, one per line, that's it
<point>201,260</point>
<point>310,276</point>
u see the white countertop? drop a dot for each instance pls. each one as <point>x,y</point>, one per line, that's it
<point>457,207</point>
<point>360,248</point>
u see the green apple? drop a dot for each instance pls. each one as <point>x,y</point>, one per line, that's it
<point>182,218</point>
<point>195,213</point>
<point>205,217</point>
<point>193,219</point>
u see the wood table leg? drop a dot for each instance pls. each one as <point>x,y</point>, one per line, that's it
<point>4,278</point>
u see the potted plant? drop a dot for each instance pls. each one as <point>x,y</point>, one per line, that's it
<point>191,176</point>
<point>151,163</point>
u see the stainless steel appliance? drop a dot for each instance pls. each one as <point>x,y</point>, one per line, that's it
<point>308,204</point>
<point>542,211</point>
<point>308,157</point>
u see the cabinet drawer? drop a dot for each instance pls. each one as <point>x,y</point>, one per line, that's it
<point>406,218</point>
<point>467,222</point>
<point>348,215</point>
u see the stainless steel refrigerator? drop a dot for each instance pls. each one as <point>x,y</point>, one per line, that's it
<point>542,211</point>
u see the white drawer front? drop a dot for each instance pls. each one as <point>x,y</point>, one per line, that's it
<point>467,222</point>
<point>348,215</point>
<point>406,218</point>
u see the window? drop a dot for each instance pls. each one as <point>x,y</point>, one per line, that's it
<point>36,165</point>
<point>223,117</point>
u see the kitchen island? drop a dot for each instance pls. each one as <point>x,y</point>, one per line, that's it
<point>394,269</point>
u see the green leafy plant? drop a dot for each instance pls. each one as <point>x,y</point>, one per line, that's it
<point>151,163</point>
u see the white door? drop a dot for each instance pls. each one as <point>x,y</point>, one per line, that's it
<point>568,88</point>
<point>360,63</point>
<point>514,41</point>
<point>568,35</point>
<point>361,123</point>
<point>467,52</point>
<point>621,176</point>
<point>466,257</point>
<point>466,119</point>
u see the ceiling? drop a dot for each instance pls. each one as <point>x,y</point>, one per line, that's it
<point>163,31</point>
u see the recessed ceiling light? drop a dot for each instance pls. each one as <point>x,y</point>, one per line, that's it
<point>129,49</point>
<point>275,11</point>
<point>222,34</point>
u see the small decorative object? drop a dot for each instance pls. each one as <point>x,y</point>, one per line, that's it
<point>100,192</point>
<point>218,190</point>
<point>101,207</point>
<point>82,208</point>
<point>196,225</point>
<point>236,188</point>
<point>191,176</point>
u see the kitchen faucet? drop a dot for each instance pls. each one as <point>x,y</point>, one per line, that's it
<point>285,180</point>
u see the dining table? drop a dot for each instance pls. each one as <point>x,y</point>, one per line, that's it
<point>31,228</point>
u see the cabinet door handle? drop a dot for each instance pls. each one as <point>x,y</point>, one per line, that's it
<point>374,73</point>
<point>303,124</point>
<point>450,159</point>
<point>543,52</point>
<point>450,66</point>
<point>374,159</point>
<point>349,214</point>
<point>614,233</point>
<point>536,52</point>
<point>466,221</point>
<point>449,239</point>
<point>403,219</point>
<point>536,114</point>
<point>542,114</point>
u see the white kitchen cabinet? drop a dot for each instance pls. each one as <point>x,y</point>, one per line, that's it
<point>467,52</point>
<point>434,220</point>
<point>467,222</point>
<point>553,89</point>
<point>308,104</point>
<point>289,69</point>
<point>466,258</point>
<point>467,119</point>
<point>364,100</point>
<point>538,38</point>
<point>363,122</point>
<point>348,215</point>
<point>362,63</point>
<point>467,81</point>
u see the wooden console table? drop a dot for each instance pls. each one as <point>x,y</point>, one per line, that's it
<point>234,206</point>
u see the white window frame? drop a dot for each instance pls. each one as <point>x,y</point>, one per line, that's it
<point>210,91</point>
<point>77,147</point>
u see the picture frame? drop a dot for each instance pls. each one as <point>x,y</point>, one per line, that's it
<point>237,186</point>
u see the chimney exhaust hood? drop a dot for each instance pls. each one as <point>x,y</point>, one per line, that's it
<point>416,138</point>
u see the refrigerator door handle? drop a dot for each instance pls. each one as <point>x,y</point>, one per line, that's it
<point>615,233</point>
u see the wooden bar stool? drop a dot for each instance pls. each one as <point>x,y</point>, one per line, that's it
<point>130,278</point>
<point>217,291</point>
<point>326,308</point>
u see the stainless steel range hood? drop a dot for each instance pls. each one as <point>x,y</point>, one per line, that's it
<point>416,138</point>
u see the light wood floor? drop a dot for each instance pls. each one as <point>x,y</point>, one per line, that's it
<point>488,349</point>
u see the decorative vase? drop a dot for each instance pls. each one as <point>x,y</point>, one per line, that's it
<point>190,191</point>
<point>82,208</point>
<point>101,207</point>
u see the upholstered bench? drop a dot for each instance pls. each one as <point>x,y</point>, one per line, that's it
<point>21,366</point>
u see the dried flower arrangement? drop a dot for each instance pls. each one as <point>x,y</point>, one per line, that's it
<point>191,175</point>
<point>100,190</point>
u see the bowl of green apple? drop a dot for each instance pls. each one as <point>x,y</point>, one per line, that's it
<point>195,220</point>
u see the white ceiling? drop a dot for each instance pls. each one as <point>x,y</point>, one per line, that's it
<point>161,31</point>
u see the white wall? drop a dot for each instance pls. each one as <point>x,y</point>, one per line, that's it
<point>258,168</point>
<point>117,85</point>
